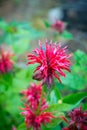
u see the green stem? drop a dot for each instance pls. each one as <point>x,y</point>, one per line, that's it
<point>40,102</point>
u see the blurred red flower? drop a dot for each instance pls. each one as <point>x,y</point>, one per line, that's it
<point>52,59</point>
<point>35,120</point>
<point>59,26</point>
<point>35,107</point>
<point>6,64</point>
<point>33,95</point>
<point>78,120</point>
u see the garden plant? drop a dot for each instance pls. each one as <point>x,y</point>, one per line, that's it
<point>43,89</point>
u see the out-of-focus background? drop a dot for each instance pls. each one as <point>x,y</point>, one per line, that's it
<point>35,11</point>
<point>22,24</point>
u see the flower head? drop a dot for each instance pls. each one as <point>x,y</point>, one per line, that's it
<point>35,107</point>
<point>52,59</point>
<point>35,120</point>
<point>78,120</point>
<point>59,26</point>
<point>33,95</point>
<point>6,64</point>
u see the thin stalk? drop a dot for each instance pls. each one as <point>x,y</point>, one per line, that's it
<point>40,102</point>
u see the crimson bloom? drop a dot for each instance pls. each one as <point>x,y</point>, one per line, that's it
<point>52,59</point>
<point>6,64</point>
<point>35,120</point>
<point>33,95</point>
<point>58,25</point>
<point>78,120</point>
<point>35,108</point>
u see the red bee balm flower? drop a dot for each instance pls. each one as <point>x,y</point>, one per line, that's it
<point>59,26</point>
<point>33,95</point>
<point>52,59</point>
<point>35,108</point>
<point>78,120</point>
<point>6,64</point>
<point>35,120</point>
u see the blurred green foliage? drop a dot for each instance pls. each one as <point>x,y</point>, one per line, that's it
<point>18,34</point>
<point>77,79</point>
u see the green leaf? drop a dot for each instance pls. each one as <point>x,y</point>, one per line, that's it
<point>80,57</point>
<point>67,35</point>
<point>63,107</point>
<point>55,109</point>
<point>58,109</point>
<point>54,123</point>
<point>22,127</point>
<point>54,128</point>
<point>54,95</point>
<point>84,106</point>
<point>47,24</point>
<point>68,103</point>
<point>75,98</point>
<point>74,81</point>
